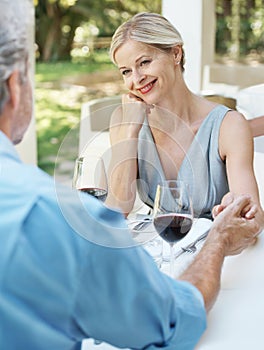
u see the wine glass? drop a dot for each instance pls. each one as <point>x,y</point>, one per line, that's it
<point>172,213</point>
<point>90,176</point>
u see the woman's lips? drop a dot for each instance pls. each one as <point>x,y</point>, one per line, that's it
<point>145,89</point>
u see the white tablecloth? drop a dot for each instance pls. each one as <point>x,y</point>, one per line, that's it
<point>199,227</point>
<point>237,318</point>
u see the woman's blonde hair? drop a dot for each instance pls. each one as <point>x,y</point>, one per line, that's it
<point>148,28</point>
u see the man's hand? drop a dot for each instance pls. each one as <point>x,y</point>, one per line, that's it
<point>234,229</point>
<point>230,234</point>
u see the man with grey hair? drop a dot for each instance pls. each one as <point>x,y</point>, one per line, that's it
<point>14,58</point>
<point>69,268</point>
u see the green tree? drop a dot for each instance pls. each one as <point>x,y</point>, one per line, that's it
<point>57,20</point>
<point>240,27</point>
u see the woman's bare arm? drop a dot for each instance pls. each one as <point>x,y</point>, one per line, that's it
<point>125,125</point>
<point>236,148</point>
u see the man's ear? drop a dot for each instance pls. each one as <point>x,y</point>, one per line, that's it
<point>13,84</point>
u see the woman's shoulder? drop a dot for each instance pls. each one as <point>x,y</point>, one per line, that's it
<point>235,126</point>
<point>234,119</point>
<point>235,131</point>
<point>209,111</point>
<point>224,115</point>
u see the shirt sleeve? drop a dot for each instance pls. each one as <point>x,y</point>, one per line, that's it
<point>81,287</point>
<point>123,299</point>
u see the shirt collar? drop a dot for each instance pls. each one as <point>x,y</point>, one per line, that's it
<point>7,148</point>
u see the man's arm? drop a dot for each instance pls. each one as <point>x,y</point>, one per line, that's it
<point>230,234</point>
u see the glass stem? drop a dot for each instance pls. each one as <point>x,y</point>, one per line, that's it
<point>171,260</point>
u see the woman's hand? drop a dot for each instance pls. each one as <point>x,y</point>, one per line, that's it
<point>126,123</point>
<point>248,212</point>
<point>127,120</point>
<point>233,228</point>
<point>134,110</point>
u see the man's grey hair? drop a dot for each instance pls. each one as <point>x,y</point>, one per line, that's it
<point>14,21</point>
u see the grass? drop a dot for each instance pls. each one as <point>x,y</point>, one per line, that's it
<point>55,116</point>
<point>55,71</point>
<point>57,105</point>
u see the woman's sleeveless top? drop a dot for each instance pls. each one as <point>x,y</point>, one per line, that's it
<point>202,168</point>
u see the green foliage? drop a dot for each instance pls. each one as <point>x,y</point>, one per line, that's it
<point>56,71</point>
<point>57,21</point>
<point>52,16</point>
<point>63,3</point>
<point>56,113</point>
<point>58,104</point>
<point>243,20</point>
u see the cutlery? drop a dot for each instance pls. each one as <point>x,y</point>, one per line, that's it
<point>192,248</point>
<point>141,224</point>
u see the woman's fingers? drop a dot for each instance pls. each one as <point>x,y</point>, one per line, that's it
<point>217,209</point>
<point>248,211</point>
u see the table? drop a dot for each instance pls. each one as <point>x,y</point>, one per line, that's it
<point>236,320</point>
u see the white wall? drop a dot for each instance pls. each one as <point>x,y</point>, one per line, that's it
<point>27,149</point>
<point>195,20</point>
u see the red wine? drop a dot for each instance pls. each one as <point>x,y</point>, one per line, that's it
<point>173,227</point>
<point>96,192</point>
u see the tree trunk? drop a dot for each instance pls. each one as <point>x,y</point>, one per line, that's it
<point>52,41</point>
<point>235,29</point>
<point>64,51</point>
<point>53,36</point>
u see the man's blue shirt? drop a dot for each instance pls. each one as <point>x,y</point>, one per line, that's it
<point>69,270</point>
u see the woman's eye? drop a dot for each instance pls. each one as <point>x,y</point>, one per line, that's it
<point>125,72</point>
<point>145,62</point>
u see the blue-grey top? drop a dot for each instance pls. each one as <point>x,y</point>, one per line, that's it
<point>202,167</point>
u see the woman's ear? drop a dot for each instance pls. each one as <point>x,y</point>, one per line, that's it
<point>14,87</point>
<point>177,54</point>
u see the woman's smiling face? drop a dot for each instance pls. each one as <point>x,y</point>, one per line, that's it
<point>148,72</point>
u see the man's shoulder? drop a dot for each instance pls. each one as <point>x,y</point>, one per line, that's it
<point>33,193</point>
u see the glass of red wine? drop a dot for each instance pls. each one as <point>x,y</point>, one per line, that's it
<point>90,176</point>
<point>172,213</point>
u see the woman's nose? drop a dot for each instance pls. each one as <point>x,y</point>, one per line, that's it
<point>138,77</point>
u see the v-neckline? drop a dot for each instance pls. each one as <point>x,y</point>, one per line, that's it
<point>186,156</point>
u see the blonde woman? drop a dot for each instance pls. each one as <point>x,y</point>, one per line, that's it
<point>164,131</point>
